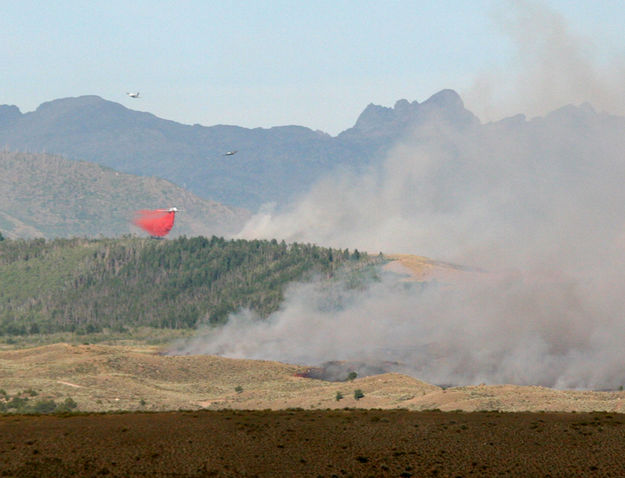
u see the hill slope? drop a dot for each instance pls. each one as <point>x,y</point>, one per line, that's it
<point>101,377</point>
<point>50,196</point>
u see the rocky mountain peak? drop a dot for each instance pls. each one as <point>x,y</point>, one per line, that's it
<point>9,114</point>
<point>383,121</point>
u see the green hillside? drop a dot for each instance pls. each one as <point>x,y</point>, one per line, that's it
<point>42,195</point>
<point>86,286</point>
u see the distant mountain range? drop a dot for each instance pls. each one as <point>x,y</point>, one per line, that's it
<point>53,188</point>
<point>43,195</point>
<point>271,165</point>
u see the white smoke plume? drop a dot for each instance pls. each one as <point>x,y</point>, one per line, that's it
<point>538,205</point>
<point>551,65</point>
<point>513,332</point>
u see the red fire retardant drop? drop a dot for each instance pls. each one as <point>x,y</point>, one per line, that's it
<point>157,222</point>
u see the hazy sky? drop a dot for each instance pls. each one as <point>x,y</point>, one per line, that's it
<point>269,63</point>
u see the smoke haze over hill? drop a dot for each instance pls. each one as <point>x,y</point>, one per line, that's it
<point>538,204</point>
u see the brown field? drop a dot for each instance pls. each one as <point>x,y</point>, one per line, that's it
<point>314,443</point>
<point>281,424</point>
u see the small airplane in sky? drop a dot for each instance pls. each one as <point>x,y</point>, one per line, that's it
<point>133,95</point>
<point>230,153</point>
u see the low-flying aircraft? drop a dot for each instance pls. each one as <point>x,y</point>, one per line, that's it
<point>230,153</point>
<point>133,95</point>
<point>156,222</point>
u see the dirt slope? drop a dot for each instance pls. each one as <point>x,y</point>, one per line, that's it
<point>419,268</point>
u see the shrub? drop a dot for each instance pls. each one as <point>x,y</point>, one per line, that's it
<point>358,394</point>
<point>17,403</point>
<point>339,396</point>
<point>67,406</point>
<point>44,406</point>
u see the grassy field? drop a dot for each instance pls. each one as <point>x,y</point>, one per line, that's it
<point>133,337</point>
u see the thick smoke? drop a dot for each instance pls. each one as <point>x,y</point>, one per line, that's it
<point>512,332</point>
<point>538,206</point>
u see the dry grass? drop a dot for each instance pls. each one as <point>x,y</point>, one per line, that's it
<point>108,378</point>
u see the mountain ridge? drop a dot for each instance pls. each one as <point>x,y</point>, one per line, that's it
<point>272,165</point>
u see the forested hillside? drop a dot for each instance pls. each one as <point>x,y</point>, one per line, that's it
<point>43,195</point>
<point>86,286</point>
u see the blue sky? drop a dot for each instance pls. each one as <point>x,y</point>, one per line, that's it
<point>315,64</point>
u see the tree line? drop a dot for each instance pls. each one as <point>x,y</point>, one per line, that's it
<point>88,285</point>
